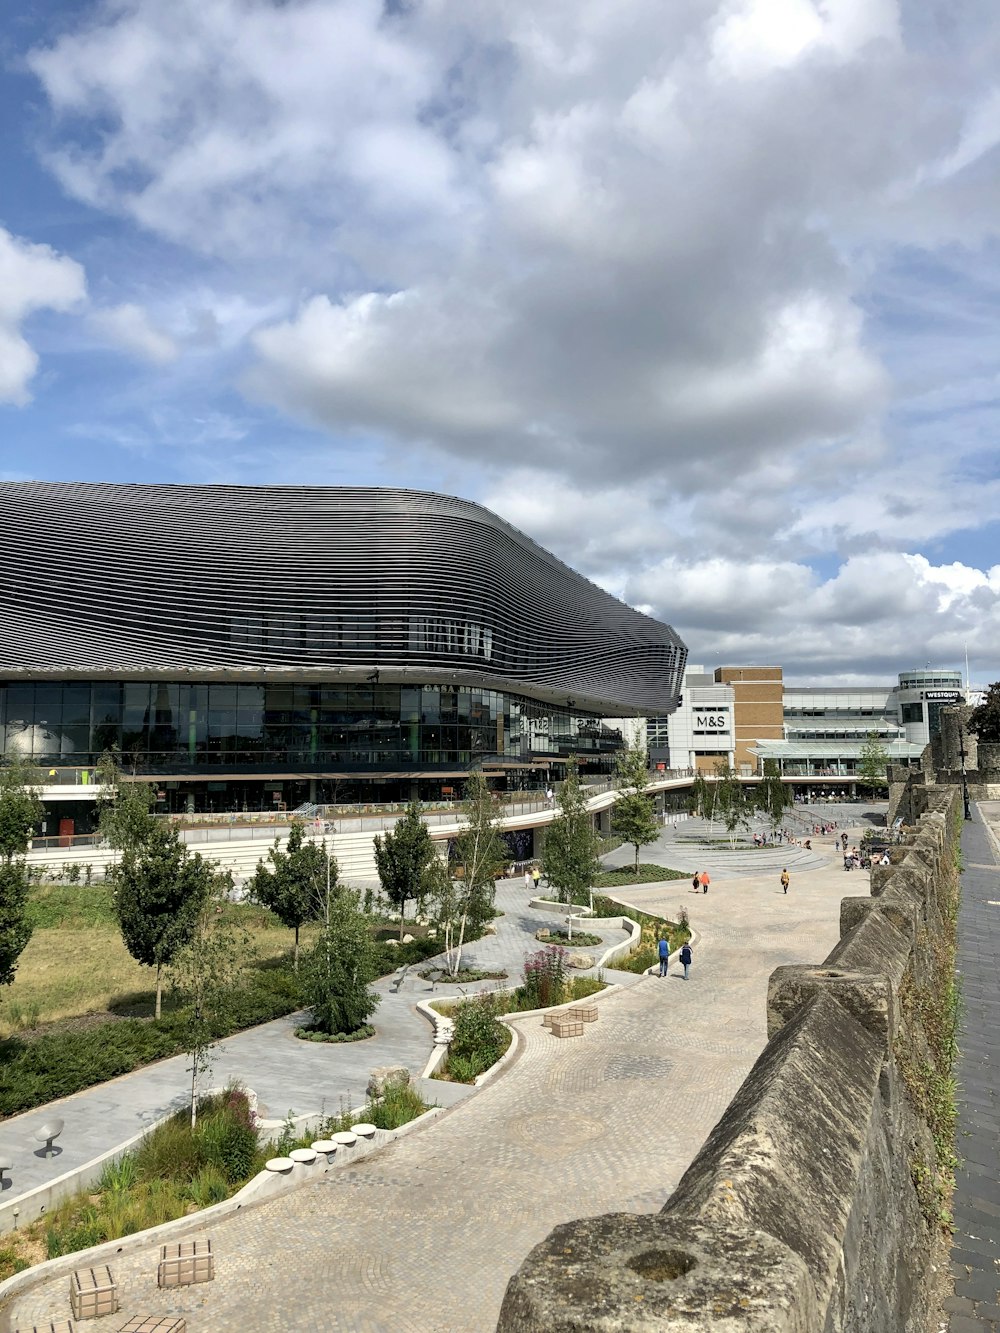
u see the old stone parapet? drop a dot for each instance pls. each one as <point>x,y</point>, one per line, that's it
<point>800,1213</point>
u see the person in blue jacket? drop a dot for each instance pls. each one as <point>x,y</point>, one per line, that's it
<point>664,948</point>
<point>686,958</point>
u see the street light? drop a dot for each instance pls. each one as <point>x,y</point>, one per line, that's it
<point>965,781</point>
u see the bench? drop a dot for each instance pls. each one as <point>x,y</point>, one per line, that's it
<point>398,979</point>
<point>151,1323</point>
<point>187,1262</point>
<point>435,975</point>
<point>93,1292</point>
<point>47,1134</point>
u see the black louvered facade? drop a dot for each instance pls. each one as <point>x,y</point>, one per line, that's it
<point>299,588</point>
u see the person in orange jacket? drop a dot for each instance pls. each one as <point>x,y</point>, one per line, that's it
<point>704,881</point>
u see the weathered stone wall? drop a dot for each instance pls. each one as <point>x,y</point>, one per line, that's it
<point>800,1214</point>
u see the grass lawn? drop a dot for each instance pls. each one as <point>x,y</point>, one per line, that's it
<point>648,874</point>
<point>76,964</point>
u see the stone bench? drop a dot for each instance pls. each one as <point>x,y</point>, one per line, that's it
<point>184,1263</point>
<point>56,1326</point>
<point>93,1292</point>
<point>151,1323</point>
<point>586,1013</point>
<point>562,1025</point>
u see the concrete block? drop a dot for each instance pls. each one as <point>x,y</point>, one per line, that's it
<point>154,1324</point>
<point>93,1292</point>
<point>586,1013</point>
<point>564,1026</point>
<point>628,1273</point>
<point>185,1263</point>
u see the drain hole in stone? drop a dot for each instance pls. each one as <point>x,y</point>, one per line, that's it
<point>662,1265</point>
<point>830,974</point>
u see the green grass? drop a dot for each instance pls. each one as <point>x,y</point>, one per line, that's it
<point>648,874</point>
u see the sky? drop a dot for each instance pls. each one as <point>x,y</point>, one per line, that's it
<point>702,296</point>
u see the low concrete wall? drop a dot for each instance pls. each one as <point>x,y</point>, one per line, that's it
<point>800,1214</point>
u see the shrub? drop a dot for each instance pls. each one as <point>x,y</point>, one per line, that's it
<point>399,1104</point>
<point>544,977</point>
<point>480,1038</point>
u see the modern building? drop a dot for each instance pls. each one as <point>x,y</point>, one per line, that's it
<point>253,648</point>
<point>743,716</point>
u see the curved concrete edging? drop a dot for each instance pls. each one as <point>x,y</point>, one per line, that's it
<point>264,1186</point>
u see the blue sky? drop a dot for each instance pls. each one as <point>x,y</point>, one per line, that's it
<point>703,297</point>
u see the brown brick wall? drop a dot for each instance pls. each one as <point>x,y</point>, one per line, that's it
<point>758,711</point>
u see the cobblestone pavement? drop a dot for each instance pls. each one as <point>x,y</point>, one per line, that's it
<point>975,1255</point>
<point>423,1237</point>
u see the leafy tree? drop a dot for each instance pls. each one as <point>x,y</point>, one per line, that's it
<point>984,720</point>
<point>480,851</point>
<point>633,816</point>
<point>872,764</point>
<point>20,812</point>
<point>124,806</point>
<point>160,890</point>
<point>341,966</point>
<point>569,859</point>
<point>773,797</point>
<point>207,973</point>
<point>702,796</point>
<point>401,857</point>
<point>732,800</point>
<point>294,885</point>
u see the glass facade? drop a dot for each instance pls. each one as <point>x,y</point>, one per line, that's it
<point>185,727</point>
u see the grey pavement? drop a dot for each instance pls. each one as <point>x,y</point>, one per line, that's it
<point>423,1236</point>
<point>975,1255</point>
<point>288,1075</point>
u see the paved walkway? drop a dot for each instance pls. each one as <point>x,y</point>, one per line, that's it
<point>975,1306</point>
<point>425,1235</point>
<point>288,1075</point>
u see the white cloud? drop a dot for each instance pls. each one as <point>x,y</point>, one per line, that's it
<point>129,327</point>
<point>32,278</point>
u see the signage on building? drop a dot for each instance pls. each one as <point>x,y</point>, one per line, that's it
<point>942,696</point>
<point>706,722</point>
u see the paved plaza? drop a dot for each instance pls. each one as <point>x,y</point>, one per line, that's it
<point>423,1236</point>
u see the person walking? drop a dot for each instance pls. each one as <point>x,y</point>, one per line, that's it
<point>696,881</point>
<point>685,956</point>
<point>664,951</point>
<point>785,880</point>
<point>536,875</point>
<point>704,881</point>
<point>527,879</point>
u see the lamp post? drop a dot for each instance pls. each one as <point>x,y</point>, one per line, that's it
<point>965,781</point>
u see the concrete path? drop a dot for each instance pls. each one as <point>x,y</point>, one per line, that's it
<point>975,1306</point>
<point>288,1075</point>
<point>423,1237</point>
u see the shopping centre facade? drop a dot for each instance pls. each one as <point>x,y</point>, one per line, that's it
<point>254,648</point>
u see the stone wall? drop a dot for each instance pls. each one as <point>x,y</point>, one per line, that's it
<point>801,1213</point>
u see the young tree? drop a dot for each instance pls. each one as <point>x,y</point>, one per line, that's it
<point>773,797</point>
<point>207,973</point>
<point>569,859</point>
<point>439,888</point>
<point>731,800</point>
<point>872,764</point>
<point>401,857</point>
<point>702,796</point>
<point>20,812</point>
<point>160,890</point>
<point>341,966</point>
<point>294,885</point>
<point>480,851</point>
<point>984,720</point>
<point>633,816</point>
<point>124,806</point>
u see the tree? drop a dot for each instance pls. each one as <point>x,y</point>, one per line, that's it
<point>293,887</point>
<point>401,857</point>
<point>341,966</point>
<point>207,974</point>
<point>731,800</point>
<point>773,796</point>
<point>480,852</point>
<point>633,816</point>
<point>124,807</point>
<point>872,763</point>
<point>569,859</point>
<point>984,720</point>
<point>160,890</point>
<point>20,812</point>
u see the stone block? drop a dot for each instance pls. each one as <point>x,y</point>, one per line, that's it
<point>151,1323</point>
<point>185,1263</point>
<point>55,1326</point>
<point>386,1076</point>
<point>543,934</point>
<point>852,912</point>
<point>628,1273</point>
<point>586,1013</point>
<point>580,960</point>
<point>564,1026</point>
<point>93,1292</point>
<point>868,998</point>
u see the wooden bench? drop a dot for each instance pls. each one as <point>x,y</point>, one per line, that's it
<point>93,1292</point>
<point>187,1262</point>
<point>398,979</point>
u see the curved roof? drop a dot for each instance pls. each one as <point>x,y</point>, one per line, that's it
<point>299,582</point>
